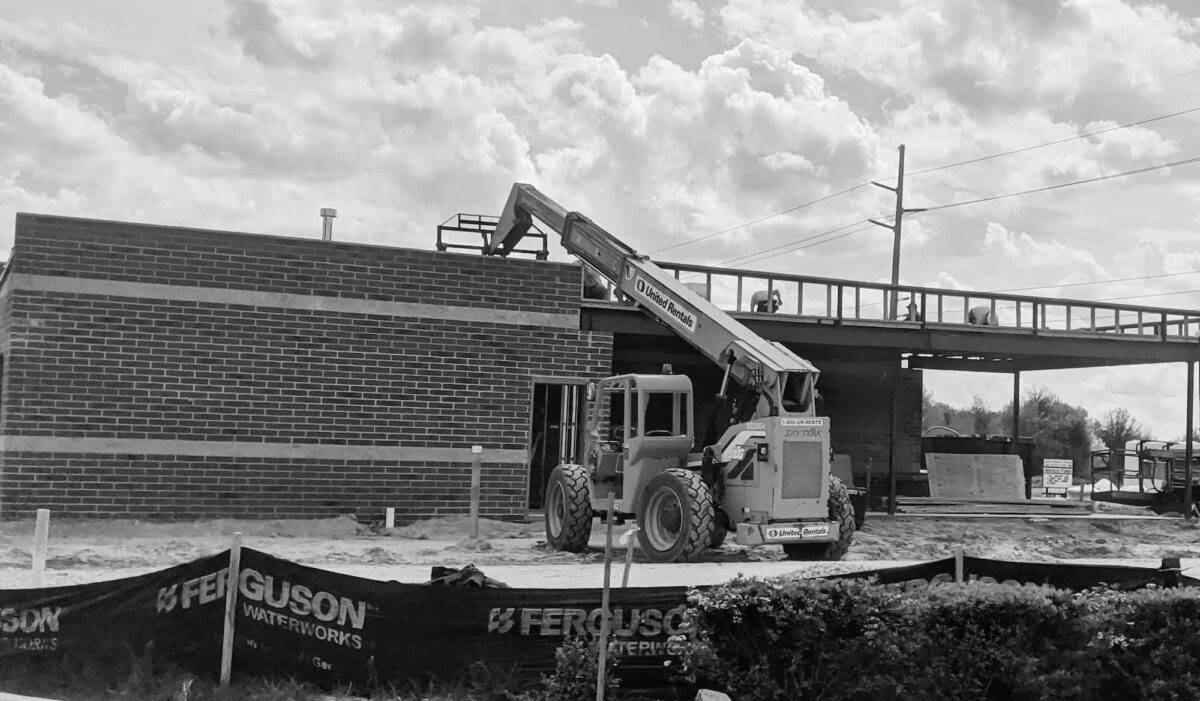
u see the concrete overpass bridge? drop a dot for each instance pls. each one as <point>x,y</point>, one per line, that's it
<point>828,319</point>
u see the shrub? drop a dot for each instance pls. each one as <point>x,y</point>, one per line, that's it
<point>843,639</point>
<point>1148,644</point>
<point>575,670</point>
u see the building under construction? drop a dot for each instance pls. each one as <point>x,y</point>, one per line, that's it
<point>169,372</point>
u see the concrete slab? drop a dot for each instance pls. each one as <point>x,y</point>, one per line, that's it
<point>974,476</point>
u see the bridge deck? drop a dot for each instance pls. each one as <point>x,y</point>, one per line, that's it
<point>932,327</point>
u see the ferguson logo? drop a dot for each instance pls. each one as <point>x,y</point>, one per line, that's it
<point>30,620</point>
<point>566,621</point>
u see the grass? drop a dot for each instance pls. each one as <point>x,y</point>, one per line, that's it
<point>142,678</point>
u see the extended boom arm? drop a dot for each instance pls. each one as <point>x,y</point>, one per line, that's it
<point>751,360</point>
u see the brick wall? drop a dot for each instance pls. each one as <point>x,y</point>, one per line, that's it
<point>137,386</point>
<point>171,487</point>
<point>82,248</point>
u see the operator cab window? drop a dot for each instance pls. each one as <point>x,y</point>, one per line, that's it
<point>666,414</point>
<point>611,422</point>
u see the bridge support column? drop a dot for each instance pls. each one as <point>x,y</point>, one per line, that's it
<point>893,433</point>
<point>1015,430</point>
<point>1187,437</point>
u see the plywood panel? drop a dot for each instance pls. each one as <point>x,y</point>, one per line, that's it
<point>975,476</point>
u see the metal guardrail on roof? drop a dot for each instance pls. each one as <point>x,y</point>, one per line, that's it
<point>848,300</point>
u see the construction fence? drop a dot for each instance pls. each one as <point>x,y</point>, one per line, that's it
<point>329,628</point>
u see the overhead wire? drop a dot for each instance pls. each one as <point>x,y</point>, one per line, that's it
<point>1048,143</point>
<point>1076,284</point>
<point>789,210</point>
<point>947,166</point>
<point>770,252</point>
<point>1110,176</point>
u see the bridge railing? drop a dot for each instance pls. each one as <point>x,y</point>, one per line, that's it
<point>847,300</point>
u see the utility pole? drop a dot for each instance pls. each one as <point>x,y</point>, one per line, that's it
<point>895,227</point>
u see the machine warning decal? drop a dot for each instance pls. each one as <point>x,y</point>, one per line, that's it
<point>664,302</point>
<point>800,422</point>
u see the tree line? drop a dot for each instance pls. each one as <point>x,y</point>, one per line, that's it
<point>1058,429</point>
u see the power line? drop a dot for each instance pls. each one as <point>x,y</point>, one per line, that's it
<point>811,245</point>
<point>1109,93</point>
<point>1100,282</point>
<point>1079,284</point>
<point>789,210</point>
<point>1139,171</point>
<point>1053,143</point>
<point>762,252</point>
<point>946,166</point>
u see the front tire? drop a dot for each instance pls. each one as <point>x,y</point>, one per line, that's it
<point>568,509</point>
<point>842,513</point>
<point>675,516</point>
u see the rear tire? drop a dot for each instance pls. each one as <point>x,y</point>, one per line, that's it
<point>841,512</point>
<point>675,516</point>
<point>568,509</point>
<point>720,528</point>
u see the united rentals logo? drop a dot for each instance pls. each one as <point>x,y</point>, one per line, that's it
<point>664,302</point>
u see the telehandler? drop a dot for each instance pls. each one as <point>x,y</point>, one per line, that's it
<point>768,478</point>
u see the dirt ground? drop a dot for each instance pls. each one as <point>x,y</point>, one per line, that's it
<point>514,553</point>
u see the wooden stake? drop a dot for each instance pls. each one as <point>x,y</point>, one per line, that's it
<point>476,476</point>
<point>41,537</point>
<point>631,538</point>
<point>604,597</point>
<point>958,565</point>
<point>231,591</point>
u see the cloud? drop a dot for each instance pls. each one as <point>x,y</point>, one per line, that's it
<point>688,12</point>
<point>982,54</point>
<point>1020,249</point>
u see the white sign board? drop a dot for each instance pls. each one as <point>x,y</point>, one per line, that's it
<point>1056,475</point>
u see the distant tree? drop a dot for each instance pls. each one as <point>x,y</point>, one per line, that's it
<point>1117,427</point>
<point>1058,429</point>
<point>983,419</point>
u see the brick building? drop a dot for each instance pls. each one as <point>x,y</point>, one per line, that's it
<point>161,372</point>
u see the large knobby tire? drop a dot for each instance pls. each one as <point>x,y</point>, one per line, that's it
<point>675,516</point>
<point>720,528</point>
<point>568,509</point>
<point>840,511</point>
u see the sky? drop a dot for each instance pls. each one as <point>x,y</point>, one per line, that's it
<point>666,121</point>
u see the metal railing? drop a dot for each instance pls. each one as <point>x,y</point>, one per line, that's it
<point>848,300</point>
<point>484,226</point>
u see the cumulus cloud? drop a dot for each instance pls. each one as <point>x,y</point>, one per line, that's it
<point>984,54</point>
<point>1018,248</point>
<point>688,12</point>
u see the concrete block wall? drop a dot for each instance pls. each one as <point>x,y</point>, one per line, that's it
<point>858,399</point>
<point>157,372</point>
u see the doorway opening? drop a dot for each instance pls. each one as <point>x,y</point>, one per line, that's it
<point>553,433</point>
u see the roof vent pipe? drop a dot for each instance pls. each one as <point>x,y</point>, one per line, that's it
<point>327,215</point>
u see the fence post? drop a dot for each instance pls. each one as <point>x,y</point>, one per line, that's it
<point>958,565</point>
<point>476,476</point>
<point>232,581</point>
<point>41,537</point>
<point>630,539</point>
<point>604,598</point>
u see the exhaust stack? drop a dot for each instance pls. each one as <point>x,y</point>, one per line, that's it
<point>327,216</point>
